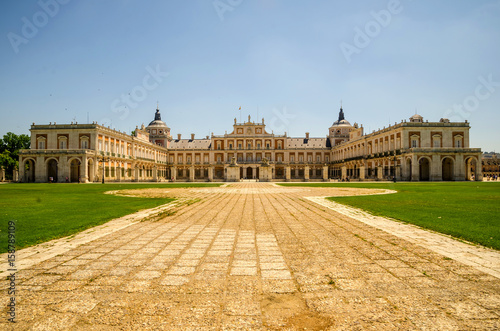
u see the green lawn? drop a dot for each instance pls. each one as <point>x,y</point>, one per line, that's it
<point>47,211</point>
<point>465,210</point>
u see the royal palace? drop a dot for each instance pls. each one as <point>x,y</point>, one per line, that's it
<point>414,150</point>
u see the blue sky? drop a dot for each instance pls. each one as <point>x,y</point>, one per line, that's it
<point>291,62</point>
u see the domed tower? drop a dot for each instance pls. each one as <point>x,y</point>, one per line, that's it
<point>339,131</point>
<point>416,119</point>
<point>159,132</point>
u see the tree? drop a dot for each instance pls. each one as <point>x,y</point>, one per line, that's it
<point>9,151</point>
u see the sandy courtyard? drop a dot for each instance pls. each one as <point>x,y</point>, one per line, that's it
<point>252,256</point>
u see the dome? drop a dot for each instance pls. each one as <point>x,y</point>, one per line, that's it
<point>157,122</point>
<point>341,121</point>
<point>416,118</point>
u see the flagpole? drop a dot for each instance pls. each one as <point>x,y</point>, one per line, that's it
<point>240,114</point>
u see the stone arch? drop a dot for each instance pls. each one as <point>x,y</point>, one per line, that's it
<point>91,170</point>
<point>424,168</point>
<point>52,166</point>
<point>74,172</point>
<point>29,165</point>
<point>408,169</point>
<point>447,164</point>
<point>471,167</point>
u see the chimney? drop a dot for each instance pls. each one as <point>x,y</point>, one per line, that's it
<point>179,136</point>
<point>307,135</point>
<point>192,136</point>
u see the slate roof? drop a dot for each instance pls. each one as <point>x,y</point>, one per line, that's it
<point>190,144</point>
<point>308,143</point>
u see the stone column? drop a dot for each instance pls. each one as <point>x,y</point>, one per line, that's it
<point>459,171</point>
<point>306,174</point>
<point>325,173</point>
<point>362,174</point>
<point>380,172</point>
<point>210,174</point>
<point>136,174</point>
<point>95,164</point>
<point>155,174</point>
<point>415,169</point>
<point>288,173</point>
<point>63,169</point>
<point>397,169</point>
<point>404,169</point>
<point>479,168</point>
<point>173,173</point>
<point>191,174</point>
<point>118,173</point>
<point>40,170</point>
<point>22,171</point>
<point>84,171</point>
<point>436,168</point>
<point>344,172</point>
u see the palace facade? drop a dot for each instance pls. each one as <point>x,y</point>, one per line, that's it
<point>411,150</point>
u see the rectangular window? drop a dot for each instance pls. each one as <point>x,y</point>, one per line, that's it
<point>41,145</point>
<point>414,143</point>
<point>459,144</point>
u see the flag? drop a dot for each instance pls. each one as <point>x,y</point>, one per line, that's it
<point>240,108</point>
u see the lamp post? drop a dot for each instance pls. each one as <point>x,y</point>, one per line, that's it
<point>103,159</point>
<point>395,167</point>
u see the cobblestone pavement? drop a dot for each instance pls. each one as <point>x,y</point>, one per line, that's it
<point>253,256</point>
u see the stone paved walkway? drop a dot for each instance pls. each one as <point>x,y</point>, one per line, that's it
<point>253,256</point>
